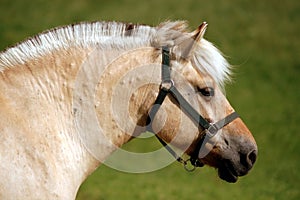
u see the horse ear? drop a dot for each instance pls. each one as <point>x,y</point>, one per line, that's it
<point>188,45</point>
<point>200,31</point>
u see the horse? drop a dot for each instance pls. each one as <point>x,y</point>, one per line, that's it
<point>73,95</point>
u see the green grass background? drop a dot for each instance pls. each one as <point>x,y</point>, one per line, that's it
<point>259,37</point>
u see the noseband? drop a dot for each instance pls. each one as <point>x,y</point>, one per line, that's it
<point>210,129</point>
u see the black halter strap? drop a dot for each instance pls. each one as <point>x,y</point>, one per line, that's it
<point>167,87</point>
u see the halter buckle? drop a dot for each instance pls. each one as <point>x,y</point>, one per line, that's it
<point>212,130</point>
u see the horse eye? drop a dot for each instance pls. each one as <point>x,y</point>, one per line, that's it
<point>207,91</point>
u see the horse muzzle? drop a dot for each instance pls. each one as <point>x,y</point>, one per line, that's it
<point>234,154</point>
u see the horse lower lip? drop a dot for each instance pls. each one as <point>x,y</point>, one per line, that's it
<point>227,175</point>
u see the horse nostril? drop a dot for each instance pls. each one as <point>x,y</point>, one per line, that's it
<point>252,157</point>
<point>248,159</point>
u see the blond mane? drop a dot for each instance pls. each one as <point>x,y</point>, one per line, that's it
<point>116,35</point>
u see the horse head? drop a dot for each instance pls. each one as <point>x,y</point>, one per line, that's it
<point>199,71</point>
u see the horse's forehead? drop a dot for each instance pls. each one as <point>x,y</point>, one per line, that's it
<point>195,76</point>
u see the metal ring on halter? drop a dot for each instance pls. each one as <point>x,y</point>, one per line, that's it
<point>185,163</point>
<point>166,85</point>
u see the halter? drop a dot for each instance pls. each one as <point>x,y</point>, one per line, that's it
<point>210,129</point>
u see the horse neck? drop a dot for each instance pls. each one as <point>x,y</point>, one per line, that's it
<point>44,92</point>
<point>36,106</point>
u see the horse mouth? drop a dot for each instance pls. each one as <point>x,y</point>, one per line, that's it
<point>227,175</point>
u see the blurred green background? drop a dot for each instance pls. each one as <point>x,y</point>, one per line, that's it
<point>259,37</point>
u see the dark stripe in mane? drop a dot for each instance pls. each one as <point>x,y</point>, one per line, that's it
<point>128,29</point>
